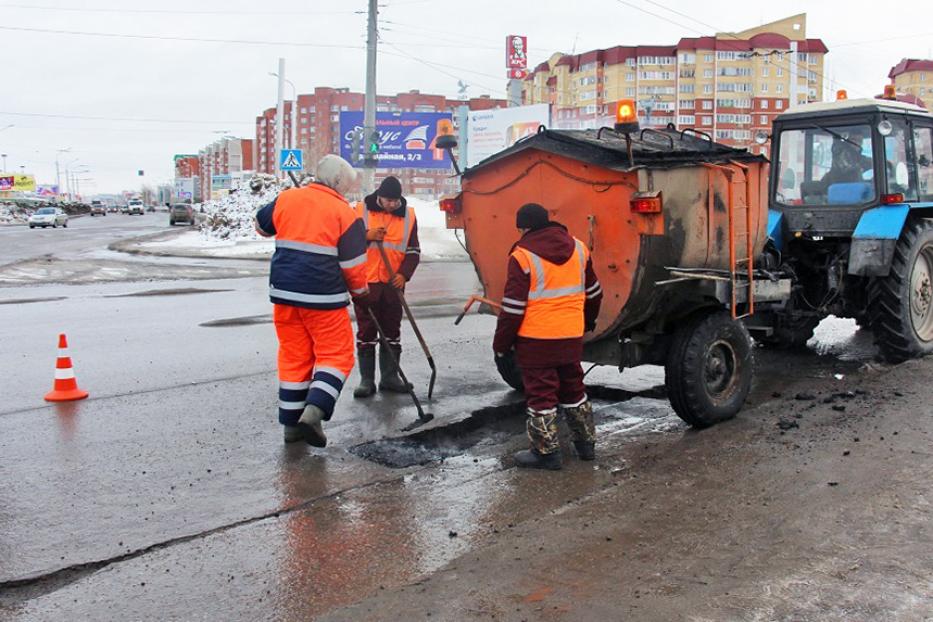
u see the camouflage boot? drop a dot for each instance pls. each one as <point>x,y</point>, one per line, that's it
<point>544,452</point>
<point>582,429</point>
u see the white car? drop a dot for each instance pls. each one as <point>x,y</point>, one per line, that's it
<point>135,206</point>
<point>48,217</point>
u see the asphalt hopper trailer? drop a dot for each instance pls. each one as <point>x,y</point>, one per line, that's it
<point>673,220</point>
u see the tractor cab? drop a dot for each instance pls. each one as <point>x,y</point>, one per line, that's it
<point>833,161</point>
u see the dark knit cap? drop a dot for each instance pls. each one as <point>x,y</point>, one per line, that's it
<point>390,188</point>
<point>531,216</point>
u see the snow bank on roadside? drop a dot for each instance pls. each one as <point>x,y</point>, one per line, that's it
<point>12,214</point>
<point>228,229</point>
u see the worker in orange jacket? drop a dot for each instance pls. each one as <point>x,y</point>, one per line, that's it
<point>552,296</point>
<point>388,220</point>
<point>320,254</point>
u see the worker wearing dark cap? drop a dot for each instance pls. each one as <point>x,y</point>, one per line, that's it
<point>388,220</point>
<point>552,296</point>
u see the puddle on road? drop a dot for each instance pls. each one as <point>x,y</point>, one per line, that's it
<point>178,291</point>
<point>247,320</point>
<point>616,411</point>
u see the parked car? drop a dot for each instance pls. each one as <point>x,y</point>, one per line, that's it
<point>48,217</point>
<point>180,212</point>
<point>98,208</point>
<point>135,206</point>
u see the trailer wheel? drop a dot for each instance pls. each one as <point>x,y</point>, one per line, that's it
<point>510,372</point>
<point>900,305</point>
<point>709,369</point>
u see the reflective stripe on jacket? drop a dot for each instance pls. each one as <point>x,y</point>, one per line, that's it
<point>556,294</point>
<point>395,243</point>
<point>320,248</point>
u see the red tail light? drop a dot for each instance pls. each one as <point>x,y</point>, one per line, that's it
<point>888,199</point>
<point>450,205</point>
<point>646,202</point>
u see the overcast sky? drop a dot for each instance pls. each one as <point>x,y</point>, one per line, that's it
<point>122,104</point>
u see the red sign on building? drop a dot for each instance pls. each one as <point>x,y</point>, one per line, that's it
<point>516,52</point>
<point>518,74</point>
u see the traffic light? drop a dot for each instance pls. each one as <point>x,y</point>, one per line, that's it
<point>373,147</point>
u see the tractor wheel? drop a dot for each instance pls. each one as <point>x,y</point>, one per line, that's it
<point>789,334</point>
<point>709,369</point>
<point>900,305</point>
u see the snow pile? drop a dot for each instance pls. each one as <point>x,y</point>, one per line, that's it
<point>229,221</point>
<point>12,214</point>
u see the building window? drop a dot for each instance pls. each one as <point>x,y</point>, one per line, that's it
<point>706,120</point>
<point>304,110</point>
<point>779,71</point>
<point>630,91</point>
<point>707,73</point>
<point>764,87</point>
<point>763,119</point>
<point>707,89</point>
<point>686,119</point>
<point>686,87</point>
<point>721,55</point>
<point>707,58</point>
<point>630,62</point>
<point>923,77</point>
<point>630,77</point>
<point>764,72</point>
<point>779,104</point>
<point>780,88</point>
<point>688,104</point>
<point>707,105</point>
<point>688,59</point>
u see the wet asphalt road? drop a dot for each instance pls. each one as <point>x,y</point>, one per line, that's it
<point>169,495</point>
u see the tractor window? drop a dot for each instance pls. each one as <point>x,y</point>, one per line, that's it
<point>923,145</point>
<point>895,155</point>
<point>826,166</point>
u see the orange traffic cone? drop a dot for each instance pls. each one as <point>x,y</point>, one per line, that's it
<point>66,387</point>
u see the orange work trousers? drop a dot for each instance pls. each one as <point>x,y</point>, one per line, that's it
<point>315,358</point>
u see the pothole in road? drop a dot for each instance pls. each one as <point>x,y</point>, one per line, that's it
<point>179,291</point>
<point>248,320</point>
<point>487,426</point>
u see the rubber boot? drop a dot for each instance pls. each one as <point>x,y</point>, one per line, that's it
<point>292,433</point>
<point>545,451</point>
<point>582,429</point>
<point>367,386</point>
<point>309,424</point>
<point>389,379</point>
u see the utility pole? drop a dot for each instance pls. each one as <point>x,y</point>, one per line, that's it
<point>369,114</point>
<point>280,117</point>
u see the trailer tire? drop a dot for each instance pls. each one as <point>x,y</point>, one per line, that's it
<point>900,305</point>
<point>709,369</point>
<point>510,372</point>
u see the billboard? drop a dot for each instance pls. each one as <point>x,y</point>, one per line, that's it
<point>491,131</point>
<point>516,52</point>
<point>406,139</point>
<point>47,190</point>
<point>17,183</point>
<point>184,187</point>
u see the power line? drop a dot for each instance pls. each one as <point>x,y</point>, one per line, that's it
<point>134,119</point>
<point>439,67</point>
<point>176,38</point>
<point>170,11</point>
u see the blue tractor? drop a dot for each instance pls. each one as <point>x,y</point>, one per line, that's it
<point>851,222</point>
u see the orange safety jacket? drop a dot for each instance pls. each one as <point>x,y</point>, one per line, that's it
<point>396,241</point>
<point>556,294</point>
<point>320,248</point>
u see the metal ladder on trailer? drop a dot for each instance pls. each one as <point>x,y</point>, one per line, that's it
<point>741,246</point>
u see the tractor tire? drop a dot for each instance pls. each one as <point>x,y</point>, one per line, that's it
<point>709,369</point>
<point>789,334</point>
<point>900,305</point>
<point>510,372</point>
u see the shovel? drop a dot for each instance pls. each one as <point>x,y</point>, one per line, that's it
<point>411,318</point>
<point>423,417</point>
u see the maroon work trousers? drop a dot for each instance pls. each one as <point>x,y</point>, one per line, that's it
<point>387,307</point>
<point>549,387</point>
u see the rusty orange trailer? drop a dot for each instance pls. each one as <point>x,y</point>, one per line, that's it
<point>673,221</point>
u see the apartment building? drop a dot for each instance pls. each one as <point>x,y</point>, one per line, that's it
<point>728,85</point>
<point>220,161</point>
<point>318,130</point>
<point>913,78</point>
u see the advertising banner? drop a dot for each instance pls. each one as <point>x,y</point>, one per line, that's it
<point>491,131</point>
<point>406,139</point>
<point>221,182</point>
<point>184,187</point>
<point>17,183</point>
<point>516,52</point>
<point>47,190</point>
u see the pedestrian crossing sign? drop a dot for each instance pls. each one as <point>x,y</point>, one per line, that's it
<point>291,160</point>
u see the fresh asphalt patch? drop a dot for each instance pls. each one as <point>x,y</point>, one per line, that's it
<point>25,301</point>
<point>178,291</point>
<point>247,320</point>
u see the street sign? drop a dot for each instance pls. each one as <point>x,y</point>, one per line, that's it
<point>291,160</point>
